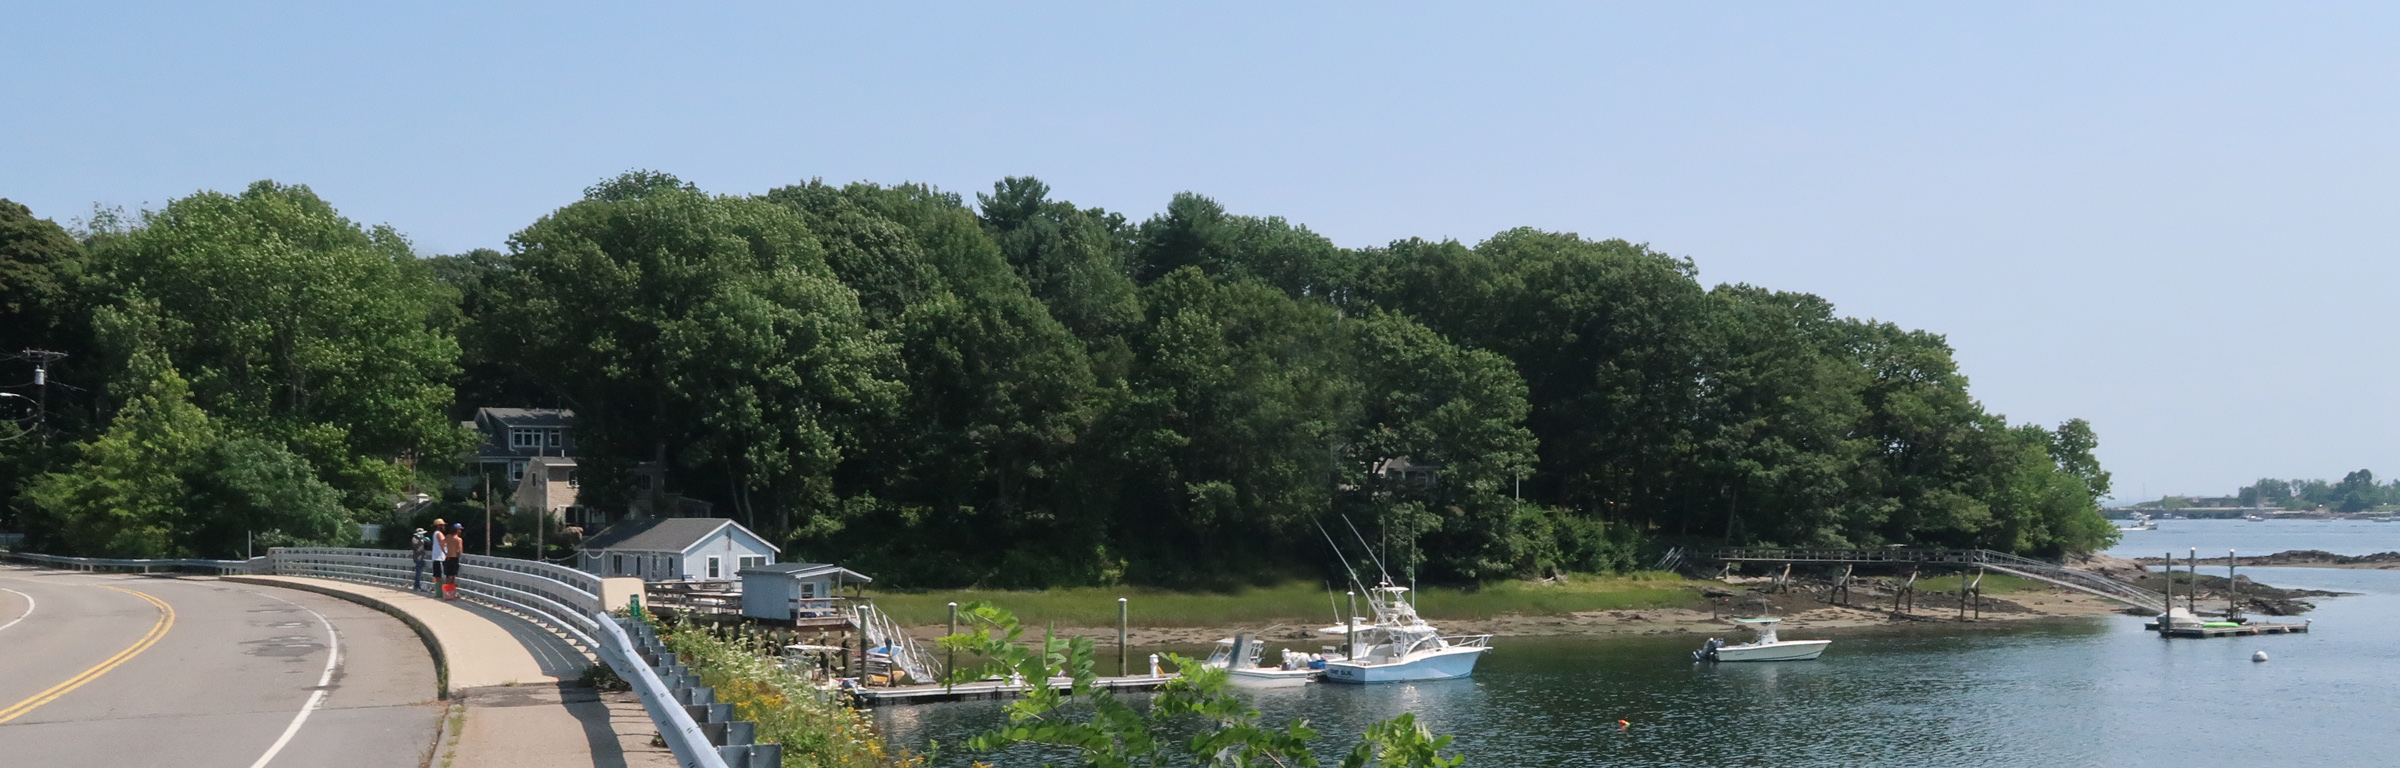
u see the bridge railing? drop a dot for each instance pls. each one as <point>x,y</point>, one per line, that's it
<point>561,597</point>
<point>144,565</point>
<point>700,730</point>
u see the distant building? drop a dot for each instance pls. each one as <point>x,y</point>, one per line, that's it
<point>675,549</point>
<point>514,437</point>
<point>801,593</point>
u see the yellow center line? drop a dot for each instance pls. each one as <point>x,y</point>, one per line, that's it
<point>166,619</point>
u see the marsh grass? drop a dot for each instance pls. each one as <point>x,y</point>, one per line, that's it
<point>1297,602</point>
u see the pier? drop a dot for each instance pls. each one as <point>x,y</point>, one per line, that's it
<point>2242,630</point>
<point>990,689</point>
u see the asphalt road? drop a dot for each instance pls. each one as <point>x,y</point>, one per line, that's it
<point>131,670</point>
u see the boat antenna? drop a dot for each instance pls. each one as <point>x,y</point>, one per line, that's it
<point>1337,554</point>
<point>1362,542</point>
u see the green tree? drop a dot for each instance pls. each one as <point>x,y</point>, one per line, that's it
<point>165,480</point>
<point>294,324</point>
<point>707,330</point>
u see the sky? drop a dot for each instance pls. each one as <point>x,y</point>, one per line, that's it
<point>2175,220</point>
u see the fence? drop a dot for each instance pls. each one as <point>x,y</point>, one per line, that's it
<point>219,567</point>
<point>700,731</point>
<point>561,597</point>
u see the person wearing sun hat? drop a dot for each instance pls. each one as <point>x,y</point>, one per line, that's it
<point>420,548</point>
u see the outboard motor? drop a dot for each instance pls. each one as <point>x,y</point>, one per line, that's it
<point>1708,650</point>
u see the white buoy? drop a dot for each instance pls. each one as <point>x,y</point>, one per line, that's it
<point>2259,656</point>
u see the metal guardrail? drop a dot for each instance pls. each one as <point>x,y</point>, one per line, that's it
<point>561,597</point>
<point>700,731</point>
<point>170,565</point>
<point>696,727</point>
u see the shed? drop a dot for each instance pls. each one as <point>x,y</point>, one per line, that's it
<point>675,548</point>
<point>797,592</point>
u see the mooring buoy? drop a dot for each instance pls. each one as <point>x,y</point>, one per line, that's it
<point>2259,656</point>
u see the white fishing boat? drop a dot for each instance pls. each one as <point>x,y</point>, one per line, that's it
<point>1399,646</point>
<point>2141,522</point>
<point>1766,648</point>
<point>1238,656</point>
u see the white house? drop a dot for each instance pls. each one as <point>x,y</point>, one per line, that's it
<point>797,592</point>
<point>675,548</point>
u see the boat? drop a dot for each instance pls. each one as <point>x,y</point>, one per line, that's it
<point>1766,648</point>
<point>1238,656</point>
<point>1399,646</point>
<point>2254,518</point>
<point>2141,522</point>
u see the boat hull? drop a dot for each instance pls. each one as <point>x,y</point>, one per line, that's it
<point>1789,650</point>
<point>1444,664</point>
<point>1270,678</point>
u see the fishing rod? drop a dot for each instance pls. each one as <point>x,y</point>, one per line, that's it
<point>1337,554</point>
<point>1362,543</point>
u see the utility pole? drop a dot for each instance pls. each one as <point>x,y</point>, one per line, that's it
<point>487,514</point>
<point>42,358</point>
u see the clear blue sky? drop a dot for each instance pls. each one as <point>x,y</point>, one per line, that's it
<point>2176,220</point>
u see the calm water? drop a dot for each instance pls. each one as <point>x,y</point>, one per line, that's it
<point>2213,537</point>
<point>2067,692</point>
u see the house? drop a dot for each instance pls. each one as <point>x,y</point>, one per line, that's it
<point>548,483</point>
<point>514,437</point>
<point>797,592</point>
<point>675,549</point>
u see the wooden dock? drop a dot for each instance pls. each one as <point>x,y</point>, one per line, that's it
<point>993,689</point>
<point>2244,630</point>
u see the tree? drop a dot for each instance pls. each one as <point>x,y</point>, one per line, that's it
<point>704,330</point>
<point>294,324</point>
<point>165,480</point>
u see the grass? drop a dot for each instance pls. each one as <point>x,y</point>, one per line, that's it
<point>1296,602</point>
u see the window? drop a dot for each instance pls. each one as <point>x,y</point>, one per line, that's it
<point>637,566</point>
<point>573,480</point>
<point>616,565</point>
<point>712,567</point>
<point>516,471</point>
<point>555,437</point>
<point>524,438</point>
<point>808,590</point>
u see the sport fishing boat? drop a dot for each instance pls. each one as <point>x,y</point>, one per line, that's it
<point>1238,656</point>
<point>1399,646</point>
<point>1766,648</point>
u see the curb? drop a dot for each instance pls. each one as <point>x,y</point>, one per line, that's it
<point>441,661</point>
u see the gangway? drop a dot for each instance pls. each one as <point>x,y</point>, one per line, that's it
<point>2026,567</point>
<point>881,632</point>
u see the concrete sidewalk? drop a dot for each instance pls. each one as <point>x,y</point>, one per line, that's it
<point>514,683</point>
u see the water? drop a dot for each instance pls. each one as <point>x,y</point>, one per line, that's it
<point>2213,537</point>
<point>2065,692</point>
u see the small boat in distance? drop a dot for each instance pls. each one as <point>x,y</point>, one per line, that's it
<point>2141,522</point>
<point>1238,656</point>
<point>1766,648</point>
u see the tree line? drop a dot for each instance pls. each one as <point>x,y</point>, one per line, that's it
<point>2357,492</point>
<point>1009,391</point>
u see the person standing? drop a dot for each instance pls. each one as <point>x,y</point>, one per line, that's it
<point>420,547</point>
<point>440,552</point>
<point>457,546</point>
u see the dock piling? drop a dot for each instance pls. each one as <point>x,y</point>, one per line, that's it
<point>1121,658</point>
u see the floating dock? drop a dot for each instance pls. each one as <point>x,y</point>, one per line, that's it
<point>2242,630</point>
<point>993,689</point>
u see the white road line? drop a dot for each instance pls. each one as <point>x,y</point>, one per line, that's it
<point>21,616</point>
<point>333,656</point>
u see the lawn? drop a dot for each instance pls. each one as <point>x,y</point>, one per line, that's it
<point>1297,602</point>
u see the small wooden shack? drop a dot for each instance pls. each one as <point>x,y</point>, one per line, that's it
<point>805,594</point>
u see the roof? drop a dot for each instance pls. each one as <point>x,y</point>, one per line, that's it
<point>528,417</point>
<point>665,534</point>
<point>804,570</point>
